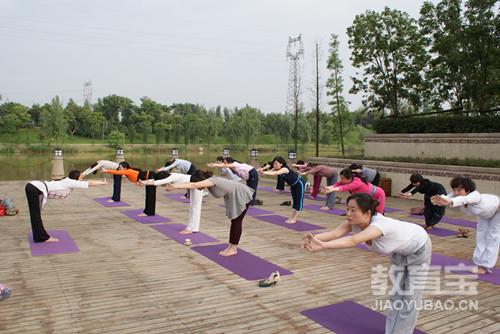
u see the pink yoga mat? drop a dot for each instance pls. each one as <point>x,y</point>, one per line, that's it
<point>243,264</point>
<point>134,214</point>
<point>104,201</point>
<point>280,221</point>
<point>349,317</point>
<point>66,244</point>
<point>172,231</point>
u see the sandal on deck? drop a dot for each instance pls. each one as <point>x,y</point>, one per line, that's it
<point>273,279</point>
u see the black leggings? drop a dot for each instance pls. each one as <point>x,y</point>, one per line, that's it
<point>150,200</point>
<point>117,188</point>
<point>253,182</point>
<point>237,227</point>
<point>33,197</point>
<point>376,179</point>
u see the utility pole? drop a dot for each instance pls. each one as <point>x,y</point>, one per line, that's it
<point>317,100</point>
<point>294,53</point>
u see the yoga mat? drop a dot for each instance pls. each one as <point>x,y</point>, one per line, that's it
<point>243,264</point>
<point>253,211</point>
<point>104,202</point>
<point>349,317</point>
<point>172,231</point>
<point>66,244</point>
<point>443,260</point>
<point>440,232</point>
<point>271,190</point>
<point>318,198</point>
<point>280,221</point>
<point>389,210</point>
<point>134,214</point>
<point>177,197</point>
<point>315,207</point>
<point>453,221</point>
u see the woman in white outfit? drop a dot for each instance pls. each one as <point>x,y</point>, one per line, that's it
<point>101,165</point>
<point>486,208</point>
<point>195,199</point>
<point>408,246</point>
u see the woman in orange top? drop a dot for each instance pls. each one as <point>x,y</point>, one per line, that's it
<point>134,175</point>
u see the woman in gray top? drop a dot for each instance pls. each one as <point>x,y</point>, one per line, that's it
<point>237,198</point>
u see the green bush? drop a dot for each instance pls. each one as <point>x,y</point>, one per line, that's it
<point>116,139</point>
<point>438,124</point>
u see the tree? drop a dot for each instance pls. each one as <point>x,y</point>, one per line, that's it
<point>53,122</point>
<point>72,115</point>
<point>12,117</point>
<point>389,50</point>
<point>336,86</point>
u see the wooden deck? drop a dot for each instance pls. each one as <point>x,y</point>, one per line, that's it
<point>128,278</point>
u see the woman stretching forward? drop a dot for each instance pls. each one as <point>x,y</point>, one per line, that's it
<point>407,244</point>
<point>236,196</point>
<point>353,184</point>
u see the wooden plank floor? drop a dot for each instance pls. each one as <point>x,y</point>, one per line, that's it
<point>128,278</point>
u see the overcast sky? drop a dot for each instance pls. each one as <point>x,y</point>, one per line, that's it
<point>212,52</point>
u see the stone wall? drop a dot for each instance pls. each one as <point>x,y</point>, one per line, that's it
<point>487,179</point>
<point>434,145</point>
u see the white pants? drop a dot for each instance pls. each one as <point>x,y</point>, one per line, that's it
<point>195,199</point>
<point>487,242</point>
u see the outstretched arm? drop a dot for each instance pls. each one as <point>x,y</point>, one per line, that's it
<point>190,185</point>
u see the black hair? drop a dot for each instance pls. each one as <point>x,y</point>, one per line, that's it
<point>229,160</point>
<point>74,174</point>
<point>301,162</point>
<point>126,165</point>
<point>464,182</point>
<point>349,174</point>
<point>92,166</point>
<point>269,163</point>
<point>279,159</point>
<point>219,158</point>
<point>200,175</point>
<point>169,162</point>
<point>162,175</point>
<point>365,202</point>
<point>416,178</point>
<point>355,166</point>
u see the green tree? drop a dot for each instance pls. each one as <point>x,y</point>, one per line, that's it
<point>12,117</point>
<point>389,50</point>
<point>53,122</point>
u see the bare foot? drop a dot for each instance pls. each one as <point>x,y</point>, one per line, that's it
<point>142,214</point>
<point>229,252</point>
<point>291,221</point>
<point>110,200</point>
<point>52,239</point>
<point>186,231</point>
<point>479,270</point>
<point>324,208</point>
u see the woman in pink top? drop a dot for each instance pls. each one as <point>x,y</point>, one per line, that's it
<point>353,184</point>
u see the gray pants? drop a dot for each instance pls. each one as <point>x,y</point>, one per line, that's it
<point>330,197</point>
<point>408,273</point>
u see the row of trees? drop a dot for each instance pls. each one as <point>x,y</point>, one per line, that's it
<point>116,117</point>
<point>449,56</point>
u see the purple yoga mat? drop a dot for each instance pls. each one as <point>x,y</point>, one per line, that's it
<point>104,202</point>
<point>319,198</point>
<point>177,197</point>
<point>452,221</point>
<point>253,211</point>
<point>134,214</point>
<point>389,210</point>
<point>316,207</point>
<point>172,231</point>
<point>440,232</point>
<point>271,190</point>
<point>66,244</point>
<point>349,318</point>
<point>243,264</point>
<point>443,260</point>
<point>280,221</point>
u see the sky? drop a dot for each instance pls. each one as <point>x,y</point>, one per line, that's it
<point>210,52</point>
